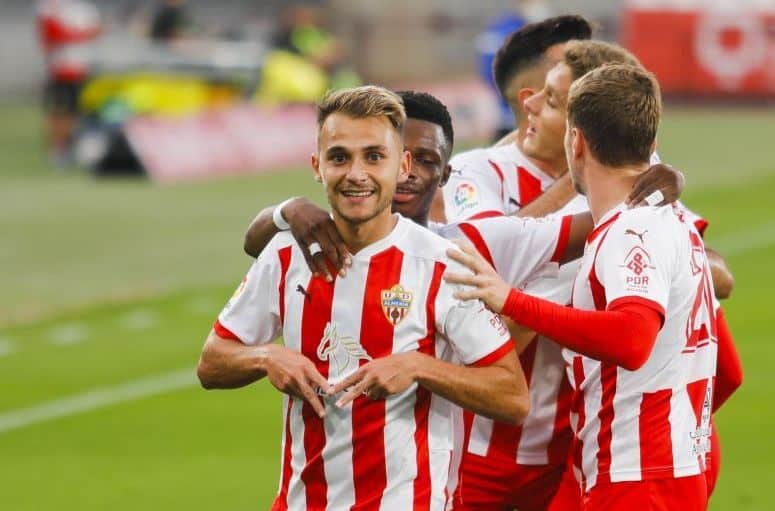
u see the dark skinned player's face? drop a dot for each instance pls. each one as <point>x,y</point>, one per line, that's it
<point>427,145</point>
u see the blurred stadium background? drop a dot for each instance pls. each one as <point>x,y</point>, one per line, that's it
<point>110,284</point>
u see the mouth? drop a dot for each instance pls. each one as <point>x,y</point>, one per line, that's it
<point>357,196</point>
<point>404,195</point>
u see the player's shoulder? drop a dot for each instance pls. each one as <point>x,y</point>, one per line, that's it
<point>468,161</point>
<point>658,222</point>
<point>425,243</point>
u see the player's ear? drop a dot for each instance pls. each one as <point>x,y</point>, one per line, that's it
<point>406,166</point>
<point>523,94</point>
<point>445,175</point>
<point>315,161</point>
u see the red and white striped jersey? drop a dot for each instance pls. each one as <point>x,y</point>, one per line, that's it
<point>544,437</point>
<point>491,181</point>
<point>655,421</point>
<point>386,454</point>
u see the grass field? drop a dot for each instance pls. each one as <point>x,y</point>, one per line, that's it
<point>108,288</point>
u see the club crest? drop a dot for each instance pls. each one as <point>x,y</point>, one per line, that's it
<point>395,303</point>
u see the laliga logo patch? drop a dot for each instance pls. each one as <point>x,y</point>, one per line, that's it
<point>465,196</point>
<point>395,303</point>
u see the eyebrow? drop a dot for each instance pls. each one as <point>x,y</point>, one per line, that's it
<point>340,148</point>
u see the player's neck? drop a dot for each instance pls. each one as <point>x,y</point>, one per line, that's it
<point>606,187</point>
<point>556,169</point>
<point>360,235</point>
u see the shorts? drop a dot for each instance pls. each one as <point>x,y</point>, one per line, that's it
<point>61,96</point>
<point>568,496</point>
<point>489,485</point>
<point>667,494</point>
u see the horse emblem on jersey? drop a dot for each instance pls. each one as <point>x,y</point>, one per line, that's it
<point>395,303</point>
<point>341,351</point>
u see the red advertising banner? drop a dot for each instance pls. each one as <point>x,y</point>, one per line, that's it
<point>705,50</point>
<point>248,139</point>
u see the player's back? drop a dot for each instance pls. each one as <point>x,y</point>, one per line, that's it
<point>491,181</point>
<point>653,421</point>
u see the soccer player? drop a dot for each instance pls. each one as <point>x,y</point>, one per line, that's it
<point>363,364</point>
<point>641,337</point>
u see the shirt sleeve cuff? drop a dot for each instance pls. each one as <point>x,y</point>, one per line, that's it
<point>495,355</point>
<point>638,300</point>
<point>223,332</point>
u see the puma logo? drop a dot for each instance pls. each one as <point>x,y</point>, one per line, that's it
<point>300,289</point>
<point>639,235</point>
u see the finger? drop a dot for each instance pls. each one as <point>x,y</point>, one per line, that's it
<point>348,382</point>
<point>462,258</point>
<point>641,189</point>
<point>345,259</point>
<point>322,266</point>
<point>328,247</point>
<point>466,279</point>
<point>309,395</point>
<point>352,394</point>
<point>316,379</point>
<point>469,294</point>
<point>311,264</point>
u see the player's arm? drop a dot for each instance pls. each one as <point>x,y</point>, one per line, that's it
<point>729,369</point>
<point>495,389</point>
<point>226,363</point>
<point>660,177</point>
<point>623,335</point>
<point>309,224</point>
<point>723,280</point>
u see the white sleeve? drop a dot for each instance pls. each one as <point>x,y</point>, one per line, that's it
<point>473,188</point>
<point>519,248</point>
<point>636,261</point>
<point>252,314</point>
<point>476,334</point>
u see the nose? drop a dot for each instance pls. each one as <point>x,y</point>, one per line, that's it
<point>356,173</point>
<point>531,103</point>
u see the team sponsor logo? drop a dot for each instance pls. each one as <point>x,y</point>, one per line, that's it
<point>637,263</point>
<point>395,303</point>
<point>341,351</point>
<point>465,196</point>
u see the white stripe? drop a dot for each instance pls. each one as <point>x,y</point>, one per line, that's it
<point>746,241</point>
<point>99,398</point>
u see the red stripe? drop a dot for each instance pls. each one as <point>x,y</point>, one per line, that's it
<point>223,332</point>
<point>597,289</point>
<point>316,314</point>
<point>281,502</point>
<point>368,417</point>
<point>578,407</point>
<point>562,239</point>
<point>656,445</point>
<point>529,186</point>
<point>562,436</point>
<point>285,262</point>
<point>495,355</point>
<point>485,214</point>
<point>597,230</point>
<point>422,483</point>
<point>606,418</point>
<point>473,234</point>
<point>505,437</point>
<point>701,224</point>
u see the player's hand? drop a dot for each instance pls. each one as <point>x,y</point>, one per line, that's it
<point>659,177</point>
<point>311,224</point>
<point>292,373</point>
<point>485,284</point>
<point>378,378</point>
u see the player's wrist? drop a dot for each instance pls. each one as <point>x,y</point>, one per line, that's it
<point>279,217</point>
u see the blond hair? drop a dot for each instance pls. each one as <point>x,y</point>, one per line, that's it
<point>363,102</point>
<point>584,56</point>
<point>617,108</point>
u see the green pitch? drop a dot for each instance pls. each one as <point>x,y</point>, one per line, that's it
<point>108,289</point>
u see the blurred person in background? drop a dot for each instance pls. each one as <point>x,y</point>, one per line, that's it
<point>306,60</point>
<point>488,43</point>
<point>64,27</point>
<point>170,21</point>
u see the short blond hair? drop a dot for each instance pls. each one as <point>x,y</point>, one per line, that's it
<point>617,108</point>
<point>363,102</point>
<point>584,56</point>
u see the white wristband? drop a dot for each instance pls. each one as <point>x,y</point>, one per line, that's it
<point>277,216</point>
